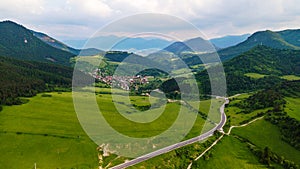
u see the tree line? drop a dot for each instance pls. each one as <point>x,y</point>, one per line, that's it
<point>27,78</point>
<point>274,97</point>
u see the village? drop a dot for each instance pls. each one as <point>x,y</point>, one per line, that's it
<point>122,82</point>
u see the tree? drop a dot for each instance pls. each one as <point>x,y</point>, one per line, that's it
<point>266,156</point>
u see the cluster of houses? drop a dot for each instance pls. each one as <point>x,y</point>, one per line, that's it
<point>123,82</point>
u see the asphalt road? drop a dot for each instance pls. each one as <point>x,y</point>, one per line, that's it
<point>177,145</point>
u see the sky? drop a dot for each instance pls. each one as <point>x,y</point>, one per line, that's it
<point>80,19</point>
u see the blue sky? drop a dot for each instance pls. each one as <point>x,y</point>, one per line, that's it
<point>78,19</point>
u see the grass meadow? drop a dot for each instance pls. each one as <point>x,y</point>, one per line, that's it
<point>227,154</point>
<point>291,77</point>
<point>255,75</point>
<point>46,130</point>
<point>262,134</point>
<point>293,107</point>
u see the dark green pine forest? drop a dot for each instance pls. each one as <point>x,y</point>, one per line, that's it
<point>27,78</point>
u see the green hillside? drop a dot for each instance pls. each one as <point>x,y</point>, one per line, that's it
<point>267,61</point>
<point>18,42</point>
<point>291,36</point>
<point>260,60</point>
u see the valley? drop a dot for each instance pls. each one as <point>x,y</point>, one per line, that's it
<point>144,96</point>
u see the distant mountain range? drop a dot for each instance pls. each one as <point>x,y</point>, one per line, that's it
<point>112,42</point>
<point>230,40</point>
<point>21,43</point>
<point>286,39</point>
<point>192,45</point>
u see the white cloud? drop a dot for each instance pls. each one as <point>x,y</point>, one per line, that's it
<point>78,18</point>
<point>92,8</point>
<point>15,8</point>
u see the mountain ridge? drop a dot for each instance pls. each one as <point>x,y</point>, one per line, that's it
<point>60,45</point>
<point>266,38</point>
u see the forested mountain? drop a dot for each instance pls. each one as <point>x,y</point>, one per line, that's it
<point>18,42</point>
<point>267,61</point>
<point>140,43</point>
<point>261,59</point>
<point>26,78</point>
<point>192,45</point>
<point>177,48</point>
<point>201,45</point>
<point>291,36</point>
<point>59,45</point>
<point>288,39</point>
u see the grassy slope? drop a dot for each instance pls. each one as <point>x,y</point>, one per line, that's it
<point>291,77</point>
<point>233,112</point>
<point>52,136</point>
<point>236,118</point>
<point>263,133</point>
<point>255,75</point>
<point>229,153</point>
<point>258,76</point>
<point>293,107</point>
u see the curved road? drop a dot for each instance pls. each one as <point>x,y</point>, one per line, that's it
<point>180,144</point>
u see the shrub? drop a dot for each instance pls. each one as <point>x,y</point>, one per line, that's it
<point>46,95</point>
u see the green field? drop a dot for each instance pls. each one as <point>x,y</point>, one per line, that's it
<point>44,131</point>
<point>255,75</point>
<point>262,134</point>
<point>258,76</point>
<point>227,154</point>
<point>237,118</point>
<point>293,107</point>
<point>291,77</point>
<point>165,120</point>
<point>234,114</point>
<point>211,106</point>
